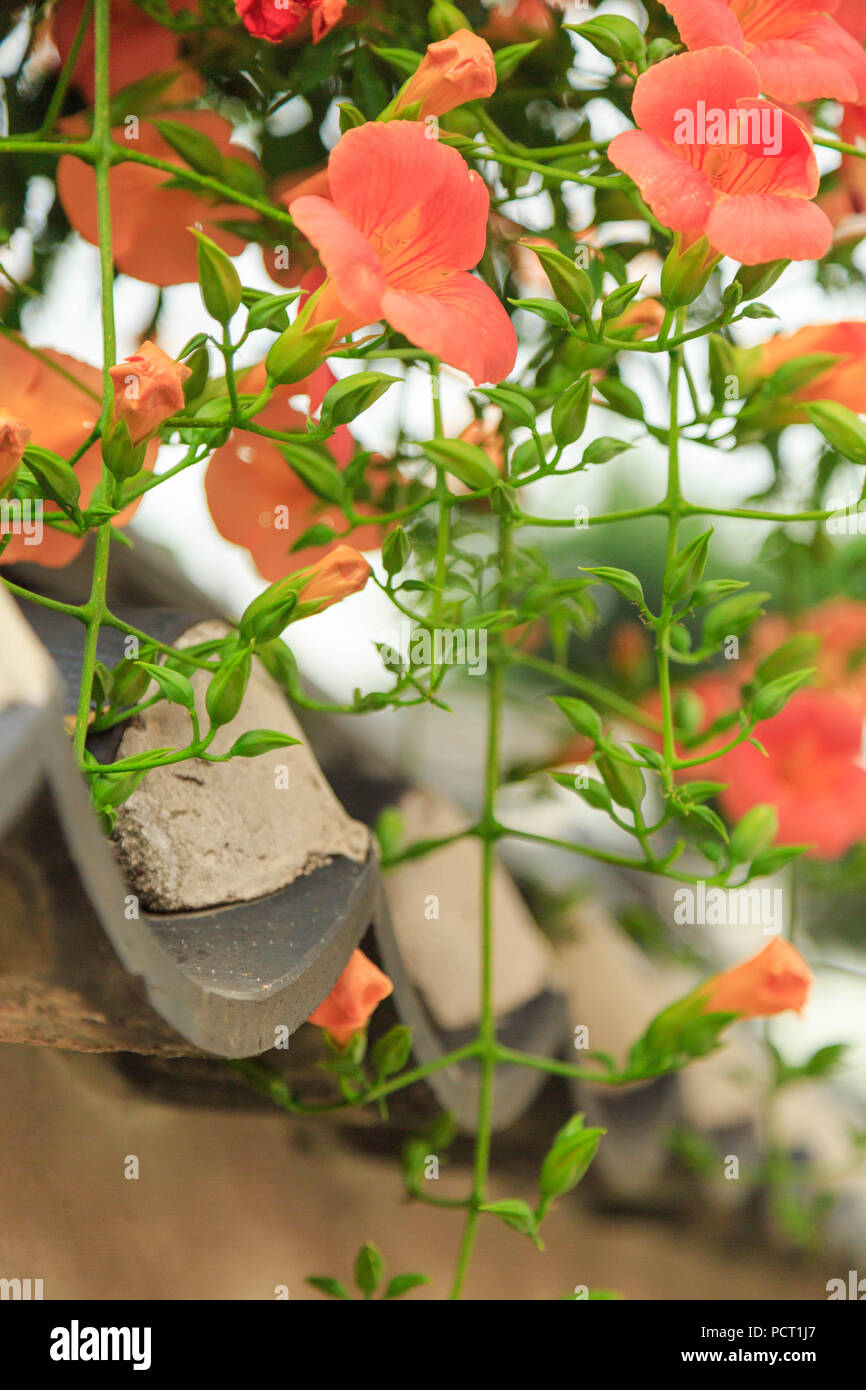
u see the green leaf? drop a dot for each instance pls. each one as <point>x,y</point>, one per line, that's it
<point>581,716</point>
<point>619,299</point>
<point>299,350</point>
<point>567,1160</point>
<point>403,1283</point>
<point>685,570</point>
<point>227,688</point>
<point>769,700</point>
<point>614,36</point>
<point>623,581</point>
<point>270,612</point>
<point>174,686</point>
<point>270,312</point>
<point>754,833</point>
<point>603,449</point>
<point>391,1053</point>
<point>513,404</point>
<point>509,58</point>
<point>256,741</point>
<point>621,397</point>
<point>53,475</point>
<point>841,428</point>
<point>624,780</point>
<point>755,280</point>
<point>218,280</point>
<point>568,420</point>
<point>787,658</point>
<point>315,466</point>
<point>468,462</point>
<point>547,309</point>
<point>395,551</point>
<point>332,1287</point>
<point>352,396</point>
<point>369,1269</point>
<point>570,283</point>
<point>197,149</point>
<point>515,1213</point>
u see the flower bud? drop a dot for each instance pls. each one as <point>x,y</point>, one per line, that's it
<point>341,572</point>
<point>353,999</point>
<point>14,437</point>
<point>148,388</point>
<point>457,69</point>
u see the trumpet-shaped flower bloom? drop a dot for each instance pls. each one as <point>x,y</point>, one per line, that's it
<point>140,46</point>
<point>712,159</point>
<point>347,1009</point>
<point>798,48</point>
<point>406,221</point>
<point>150,219</point>
<point>254,497</point>
<point>844,381</point>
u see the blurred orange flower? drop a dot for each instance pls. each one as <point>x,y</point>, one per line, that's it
<point>140,46</point>
<point>151,220</point>
<point>352,1001</point>
<point>254,497</point>
<point>799,50</point>
<point>14,438</point>
<point>844,381</point>
<point>275,20</point>
<point>60,407</point>
<point>777,978</point>
<point>841,625</point>
<point>513,20</point>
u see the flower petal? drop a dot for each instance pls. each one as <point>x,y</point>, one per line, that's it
<point>717,77</point>
<point>705,23</point>
<point>819,60</point>
<point>680,195</point>
<point>763,227</point>
<point>415,199</point>
<point>345,253</point>
<point>461,321</point>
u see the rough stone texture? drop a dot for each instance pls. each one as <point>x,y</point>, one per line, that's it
<point>197,834</point>
<point>442,954</point>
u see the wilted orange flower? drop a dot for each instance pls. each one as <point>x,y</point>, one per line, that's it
<point>353,999</point>
<point>60,408</point>
<point>275,20</point>
<point>339,573</point>
<point>799,50</point>
<point>148,388</point>
<point>254,497</point>
<point>14,438</point>
<point>844,381</point>
<point>407,221</point>
<point>150,220</point>
<point>457,69</point>
<point>774,980</point>
<point>749,198</point>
